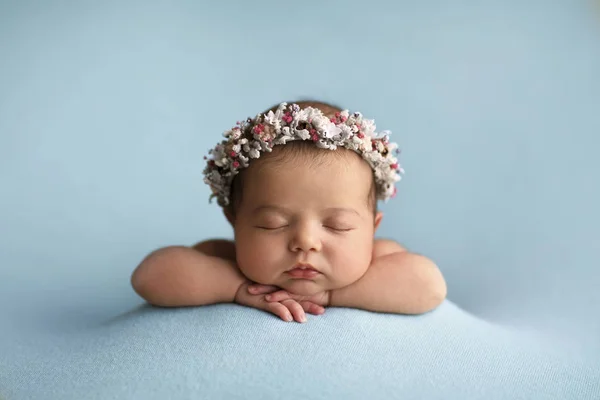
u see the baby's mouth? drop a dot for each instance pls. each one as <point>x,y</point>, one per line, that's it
<point>303,271</point>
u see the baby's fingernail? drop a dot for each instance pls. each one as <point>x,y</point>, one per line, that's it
<point>289,318</point>
<point>268,297</point>
<point>303,318</point>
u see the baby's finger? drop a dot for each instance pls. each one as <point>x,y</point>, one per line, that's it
<point>280,310</point>
<point>278,296</point>
<point>261,289</point>
<point>312,308</point>
<point>296,309</point>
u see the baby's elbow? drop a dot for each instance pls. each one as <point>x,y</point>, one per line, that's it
<point>150,288</point>
<point>144,283</point>
<point>432,289</point>
<point>148,278</point>
<point>437,290</point>
<point>140,281</point>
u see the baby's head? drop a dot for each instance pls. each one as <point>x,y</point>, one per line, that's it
<point>303,205</point>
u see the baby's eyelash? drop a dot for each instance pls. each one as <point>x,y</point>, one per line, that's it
<point>270,229</point>
<point>285,226</point>
<point>338,229</point>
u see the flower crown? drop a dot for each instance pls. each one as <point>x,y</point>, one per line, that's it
<point>248,139</point>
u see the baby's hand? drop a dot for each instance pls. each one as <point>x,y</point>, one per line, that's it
<point>253,295</point>
<point>312,304</point>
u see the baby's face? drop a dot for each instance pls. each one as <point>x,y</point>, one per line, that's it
<point>315,216</point>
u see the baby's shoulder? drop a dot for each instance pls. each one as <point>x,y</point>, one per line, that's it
<point>222,248</point>
<point>381,247</point>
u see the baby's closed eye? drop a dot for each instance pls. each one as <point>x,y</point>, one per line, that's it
<point>337,225</point>
<point>271,223</point>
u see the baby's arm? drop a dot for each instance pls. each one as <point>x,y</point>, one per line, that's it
<point>396,282</point>
<point>206,273</point>
<point>179,276</point>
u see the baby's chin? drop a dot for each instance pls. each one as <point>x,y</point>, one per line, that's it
<point>303,287</point>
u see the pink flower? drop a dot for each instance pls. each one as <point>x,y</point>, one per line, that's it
<point>259,128</point>
<point>287,118</point>
<point>236,164</point>
<point>314,137</point>
<point>394,166</point>
<point>232,153</point>
<point>360,135</point>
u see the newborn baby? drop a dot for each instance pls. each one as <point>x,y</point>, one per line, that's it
<point>299,184</point>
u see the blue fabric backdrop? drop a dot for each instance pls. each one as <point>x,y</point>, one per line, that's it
<point>107,108</point>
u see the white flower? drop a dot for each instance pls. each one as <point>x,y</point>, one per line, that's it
<point>253,153</point>
<point>303,134</point>
<point>270,117</point>
<point>345,132</point>
<point>368,127</point>
<point>318,122</point>
<point>280,111</point>
<point>314,114</point>
<point>330,130</point>
<point>281,139</point>
<point>301,116</point>
<point>322,144</point>
<point>384,134</point>
<point>274,120</point>
<point>356,140</point>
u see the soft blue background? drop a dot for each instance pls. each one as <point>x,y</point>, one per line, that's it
<point>107,108</point>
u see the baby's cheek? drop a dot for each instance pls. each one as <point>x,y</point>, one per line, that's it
<point>249,263</point>
<point>349,263</point>
<point>254,263</point>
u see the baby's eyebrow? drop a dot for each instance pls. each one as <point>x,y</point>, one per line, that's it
<point>343,209</point>
<point>271,207</point>
<point>284,210</point>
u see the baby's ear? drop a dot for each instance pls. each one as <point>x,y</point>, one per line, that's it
<point>229,215</point>
<point>378,218</point>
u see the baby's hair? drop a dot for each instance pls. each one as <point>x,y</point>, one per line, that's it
<point>304,150</point>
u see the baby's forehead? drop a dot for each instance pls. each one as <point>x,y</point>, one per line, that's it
<point>308,156</point>
<point>332,178</point>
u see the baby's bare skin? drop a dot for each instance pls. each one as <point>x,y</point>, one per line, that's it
<point>304,239</point>
<point>396,281</point>
<point>284,304</point>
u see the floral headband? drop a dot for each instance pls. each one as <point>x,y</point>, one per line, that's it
<point>248,139</point>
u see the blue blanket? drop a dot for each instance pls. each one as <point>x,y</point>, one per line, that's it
<point>232,352</point>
